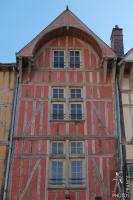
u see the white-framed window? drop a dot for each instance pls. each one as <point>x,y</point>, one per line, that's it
<point>58,58</point>
<point>74,56</point>
<point>76,173</point>
<point>68,162</point>
<point>57,111</point>
<point>57,172</point>
<point>75,111</point>
<point>75,93</point>
<point>130,171</point>
<point>76,147</point>
<point>58,93</point>
<point>57,148</point>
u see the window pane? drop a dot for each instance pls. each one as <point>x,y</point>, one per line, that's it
<point>75,93</point>
<point>58,59</point>
<point>130,171</point>
<point>57,172</point>
<point>76,111</point>
<point>58,111</point>
<point>57,148</point>
<point>76,172</point>
<point>76,148</point>
<point>74,59</point>
<point>58,93</point>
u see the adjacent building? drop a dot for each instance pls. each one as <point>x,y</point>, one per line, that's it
<point>126,89</point>
<point>7,86</point>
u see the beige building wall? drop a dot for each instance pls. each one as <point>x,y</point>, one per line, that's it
<point>126,87</point>
<point>7,84</point>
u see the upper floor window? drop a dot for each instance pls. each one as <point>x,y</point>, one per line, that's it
<point>57,148</point>
<point>130,171</point>
<point>76,148</point>
<point>76,111</point>
<point>76,172</point>
<point>58,57</point>
<point>74,59</point>
<point>58,111</point>
<point>75,93</point>
<point>58,93</point>
<point>57,172</point>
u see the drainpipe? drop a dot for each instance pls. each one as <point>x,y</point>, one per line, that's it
<point>119,129</point>
<point>11,138</point>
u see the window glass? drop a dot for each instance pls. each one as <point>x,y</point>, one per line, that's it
<point>57,172</point>
<point>57,148</point>
<point>58,111</point>
<point>76,172</point>
<point>58,59</point>
<point>76,148</point>
<point>76,111</point>
<point>74,59</point>
<point>75,93</point>
<point>130,171</point>
<point>58,93</point>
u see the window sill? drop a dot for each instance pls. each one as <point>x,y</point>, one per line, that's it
<point>77,155</point>
<point>75,99</point>
<point>70,187</point>
<point>58,99</point>
<point>58,156</point>
<point>67,120</point>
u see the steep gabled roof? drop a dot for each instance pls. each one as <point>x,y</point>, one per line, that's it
<point>128,57</point>
<point>66,19</point>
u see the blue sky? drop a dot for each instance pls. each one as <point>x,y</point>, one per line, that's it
<point>22,20</point>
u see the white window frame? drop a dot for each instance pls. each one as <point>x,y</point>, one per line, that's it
<point>82,183</point>
<point>57,151</point>
<point>76,112</point>
<point>51,182</point>
<point>58,93</point>
<point>73,88</point>
<point>53,58</point>
<point>129,166</point>
<point>76,148</point>
<point>52,113</point>
<point>74,50</point>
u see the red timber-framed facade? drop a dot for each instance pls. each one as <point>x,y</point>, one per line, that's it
<point>65,135</point>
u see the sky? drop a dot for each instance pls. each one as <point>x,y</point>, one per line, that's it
<point>22,20</point>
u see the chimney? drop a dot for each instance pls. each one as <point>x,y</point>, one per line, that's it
<point>117,41</point>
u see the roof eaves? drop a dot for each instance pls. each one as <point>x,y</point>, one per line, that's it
<point>43,31</point>
<point>124,57</point>
<point>93,34</point>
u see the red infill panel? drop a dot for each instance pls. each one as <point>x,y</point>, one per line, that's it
<point>62,41</point>
<point>110,118</point>
<point>45,118</point>
<point>62,76</point>
<point>93,60</point>
<point>89,122</point>
<point>91,179</point>
<point>39,61</point>
<point>79,77</point>
<point>47,57</point>
<point>21,119</point>
<point>70,41</point>
<point>86,58</point>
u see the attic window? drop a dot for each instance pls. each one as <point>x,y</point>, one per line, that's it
<point>75,59</point>
<point>58,59</point>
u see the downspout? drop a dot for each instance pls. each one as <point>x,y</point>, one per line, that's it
<point>11,138</point>
<point>119,129</point>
